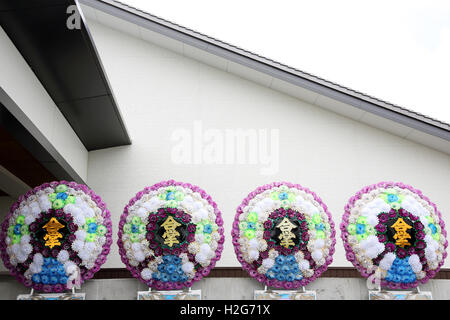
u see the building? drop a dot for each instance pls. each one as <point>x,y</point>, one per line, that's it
<point>128,99</point>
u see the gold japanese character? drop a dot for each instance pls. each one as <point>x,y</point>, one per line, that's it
<point>52,235</point>
<point>401,236</point>
<point>171,233</point>
<point>286,235</point>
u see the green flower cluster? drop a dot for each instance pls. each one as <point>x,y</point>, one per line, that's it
<point>361,229</point>
<point>93,229</point>
<point>15,232</point>
<point>60,197</point>
<point>392,198</point>
<point>171,196</point>
<point>251,225</point>
<point>205,227</point>
<point>135,229</point>
<point>433,229</point>
<point>284,195</point>
<point>316,223</point>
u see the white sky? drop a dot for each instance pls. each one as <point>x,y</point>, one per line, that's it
<point>397,51</point>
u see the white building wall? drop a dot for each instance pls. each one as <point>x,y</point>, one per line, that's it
<point>160,91</point>
<point>36,110</point>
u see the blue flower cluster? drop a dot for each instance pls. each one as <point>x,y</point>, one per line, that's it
<point>283,196</point>
<point>170,270</point>
<point>360,228</point>
<point>52,273</point>
<point>433,228</point>
<point>207,228</point>
<point>92,227</point>
<point>392,198</point>
<point>62,196</point>
<point>170,195</point>
<point>285,269</point>
<point>18,229</point>
<point>400,272</point>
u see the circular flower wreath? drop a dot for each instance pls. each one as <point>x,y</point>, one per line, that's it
<point>170,235</point>
<point>56,235</point>
<point>393,231</point>
<point>283,235</point>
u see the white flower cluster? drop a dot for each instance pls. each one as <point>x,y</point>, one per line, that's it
<point>264,205</point>
<point>19,252</point>
<point>32,207</point>
<point>251,248</point>
<point>371,247</point>
<point>84,208</point>
<point>136,252</point>
<point>386,263</point>
<point>373,208</point>
<point>433,252</point>
<point>268,262</point>
<point>201,210</point>
<point>415,207</point>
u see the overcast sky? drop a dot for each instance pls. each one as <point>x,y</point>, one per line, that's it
<point>397,51</point>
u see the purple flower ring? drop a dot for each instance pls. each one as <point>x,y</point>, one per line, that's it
<point>283,235</point>
<point>55,236</point>
<point>394,232</point>
<point>170,235</point>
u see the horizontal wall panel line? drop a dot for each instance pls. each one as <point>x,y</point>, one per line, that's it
<point>236,272</point>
